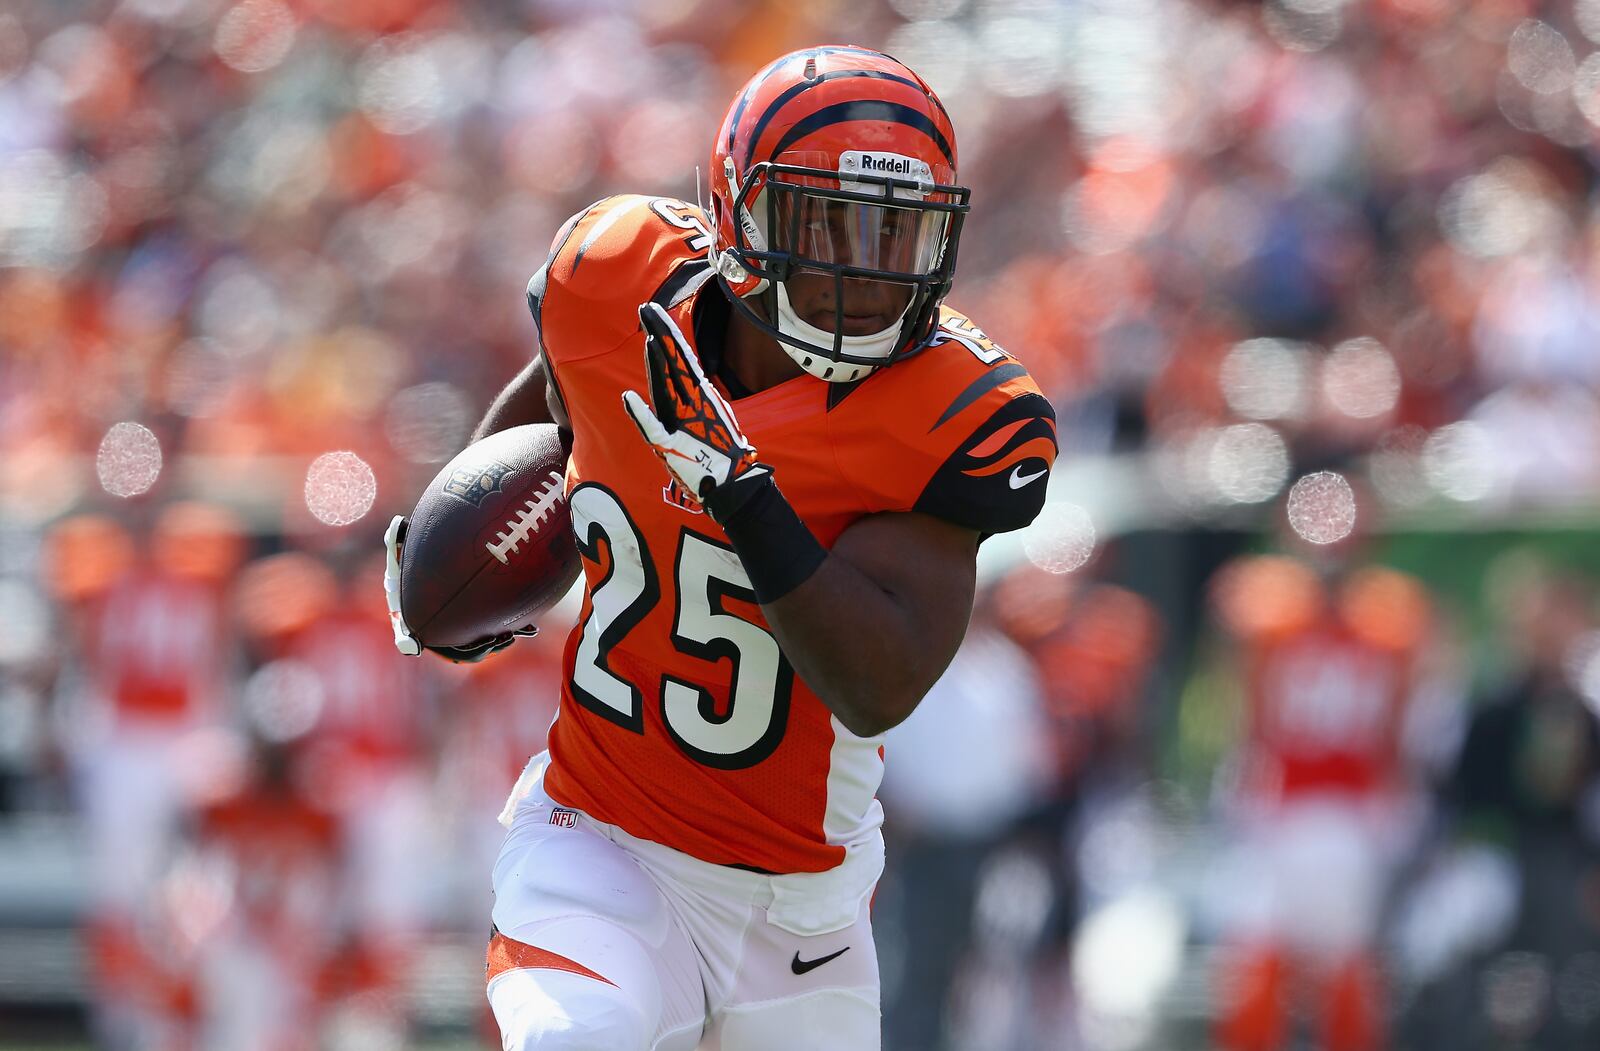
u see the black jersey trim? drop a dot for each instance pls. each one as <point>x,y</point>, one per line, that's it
<point>977,389</point>
<point>995,482</point>
<point>688,272</point>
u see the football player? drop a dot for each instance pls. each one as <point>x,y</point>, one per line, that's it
<point>785,452</point>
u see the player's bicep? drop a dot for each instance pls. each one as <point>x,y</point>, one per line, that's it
<point>928,567</point>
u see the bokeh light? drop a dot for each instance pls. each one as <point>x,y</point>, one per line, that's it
<point>1540,57</point>
<point>1061,539</point>
<point>255,36</point>
<point>1586,88</point>
<point>128,461</point>
<point>1265,379</point>
<point>1497,212</point>
<point>283,699</point>
<point>340,488</point>
<point>1025,56</point>
<point>398,86</point>
<point>1458,460</point>
<point>1321,508</point>
<point>49,213</point>
<point>1516,993</point>
<point>1359,379</point>
<point>1247,463</point>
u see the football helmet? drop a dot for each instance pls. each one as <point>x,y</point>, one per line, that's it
<point>837,162</point>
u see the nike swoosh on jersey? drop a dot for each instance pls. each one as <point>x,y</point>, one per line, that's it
<point>799,966</point>
<point>1018,479</point>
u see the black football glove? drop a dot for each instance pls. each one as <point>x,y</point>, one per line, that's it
<point>394,539</point>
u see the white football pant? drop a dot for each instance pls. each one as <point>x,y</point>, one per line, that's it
<point>606,942</point>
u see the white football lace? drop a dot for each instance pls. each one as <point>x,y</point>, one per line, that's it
<point>523,523</point>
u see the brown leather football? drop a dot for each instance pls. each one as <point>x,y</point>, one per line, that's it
<point>490,544</point>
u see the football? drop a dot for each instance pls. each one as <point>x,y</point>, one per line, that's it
<point>490,545</point>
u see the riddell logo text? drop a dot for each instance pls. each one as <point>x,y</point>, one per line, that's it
<point>857,164</point>
<point>886,165</point>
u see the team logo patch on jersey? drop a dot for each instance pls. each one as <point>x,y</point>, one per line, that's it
<point>474,483</point>
<point>565,818</point>
<point>672,493</point>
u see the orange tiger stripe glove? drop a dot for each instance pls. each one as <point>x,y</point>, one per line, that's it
<point>688,423</point>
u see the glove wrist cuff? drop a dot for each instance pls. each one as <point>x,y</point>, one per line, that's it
<point>778,551</point>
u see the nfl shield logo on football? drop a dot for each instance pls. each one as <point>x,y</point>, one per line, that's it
<point>472,484</point>
<point>564,817</point>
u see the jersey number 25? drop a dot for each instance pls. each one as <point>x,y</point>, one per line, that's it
<point>707,572</point>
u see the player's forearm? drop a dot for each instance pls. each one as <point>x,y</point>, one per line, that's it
<point>854,645</point>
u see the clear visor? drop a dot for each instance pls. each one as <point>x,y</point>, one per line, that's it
<point>882,237</point>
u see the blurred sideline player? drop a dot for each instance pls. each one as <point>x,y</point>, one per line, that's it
<point>153,632</point>
<point>363,750</point>
<point>1330,656</point>
<point>693,858</point>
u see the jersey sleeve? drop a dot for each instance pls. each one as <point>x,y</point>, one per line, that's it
<point>994,481</point>
<point>605,260</point>
<point>962,434</point>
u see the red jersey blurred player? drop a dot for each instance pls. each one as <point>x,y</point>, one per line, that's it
<point>365,758</point>
<point>1330,662</point>
<point>786,450</point>
<point>155,648</point>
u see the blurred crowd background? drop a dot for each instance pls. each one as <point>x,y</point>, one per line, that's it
<point>1278,730</point>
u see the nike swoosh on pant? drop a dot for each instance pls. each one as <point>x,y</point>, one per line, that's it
<point>799,966</point>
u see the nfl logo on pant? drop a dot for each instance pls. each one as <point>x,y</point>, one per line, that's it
<point>564,817</point>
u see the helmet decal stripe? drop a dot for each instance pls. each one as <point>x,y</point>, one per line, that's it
<point>866,109</point>
<point>804,86</point>
<point>777,64</point>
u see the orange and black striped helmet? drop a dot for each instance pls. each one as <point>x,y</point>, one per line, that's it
<point>837,162</point>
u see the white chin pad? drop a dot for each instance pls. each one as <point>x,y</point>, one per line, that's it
<point>875,345</point>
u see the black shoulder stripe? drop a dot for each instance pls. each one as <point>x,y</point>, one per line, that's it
<point>689,275</point>
<point>804,86</point>
<point>977,389</point>
<point>866,109</point>
<point>536,285</point>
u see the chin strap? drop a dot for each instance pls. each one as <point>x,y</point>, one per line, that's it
<point>878,344</point>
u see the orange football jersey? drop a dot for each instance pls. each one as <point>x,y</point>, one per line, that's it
<point>680,719</point>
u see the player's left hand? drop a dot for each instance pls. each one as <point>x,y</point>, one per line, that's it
<point>688,423</point>
<point>394,539</point>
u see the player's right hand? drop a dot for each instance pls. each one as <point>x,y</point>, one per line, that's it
<point>687,422</point>
<point>394,539</point>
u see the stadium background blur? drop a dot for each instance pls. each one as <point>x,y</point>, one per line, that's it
<point>261,267</point>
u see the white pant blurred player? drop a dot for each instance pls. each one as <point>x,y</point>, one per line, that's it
<point>606,942</point>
